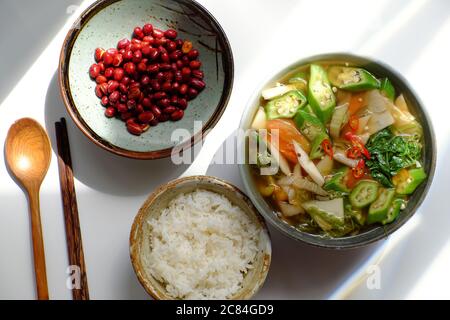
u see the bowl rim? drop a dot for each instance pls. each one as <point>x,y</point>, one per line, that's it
<point>316,241</point>
<point>63,80</point>
<point>138,220</point>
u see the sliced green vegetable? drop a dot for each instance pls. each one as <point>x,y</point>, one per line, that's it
<point>352,79</point>
<point>309,125</point>
<point>316,147</point>
<point>338,181</point>
<point>394,211</point>
<point>356,214</point>
<point>299,80</point>
<point>285,106</point>
<point>378,211</point>
<point>387,89</point>
<point>407,181</point>
<point>299,77</point>
<point>320,94</point>
<point>328,215</point>
<point>308,109</point>
<point>364,193</point>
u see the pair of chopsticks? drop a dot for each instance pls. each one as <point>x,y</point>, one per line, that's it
<point>72,222</point>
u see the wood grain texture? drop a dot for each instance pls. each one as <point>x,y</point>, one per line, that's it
<point>28,156</point>
<point>71,218</point>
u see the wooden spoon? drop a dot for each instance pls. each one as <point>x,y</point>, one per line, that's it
<point>28,155</point>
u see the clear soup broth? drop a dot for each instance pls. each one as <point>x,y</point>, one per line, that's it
<point>347,149</point>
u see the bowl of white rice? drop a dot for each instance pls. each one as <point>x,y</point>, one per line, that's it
<point>200,238</point>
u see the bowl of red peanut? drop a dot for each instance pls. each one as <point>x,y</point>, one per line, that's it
<point>141,77</point>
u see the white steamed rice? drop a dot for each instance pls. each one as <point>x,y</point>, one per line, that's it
<point>201,246</point>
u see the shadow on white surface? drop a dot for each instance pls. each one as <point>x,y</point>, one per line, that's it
<point>413,34</point>
<point>99,169</point>
<point>251,36</point>
<point>424,245</point>
<point>300,271</point>
<point>26,30</point>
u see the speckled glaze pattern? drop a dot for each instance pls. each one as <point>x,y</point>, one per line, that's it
<point>114,20</point>
<point>139,236</point>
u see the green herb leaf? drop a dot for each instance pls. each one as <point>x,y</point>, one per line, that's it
<point>390,154</point>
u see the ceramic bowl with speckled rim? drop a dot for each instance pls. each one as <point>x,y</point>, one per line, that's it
<point>105,23</point>
<point>159,200</point>
<point>375,233</point>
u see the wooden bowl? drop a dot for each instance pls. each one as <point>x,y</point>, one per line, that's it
<point>105,23</point>
<point>139,238</point>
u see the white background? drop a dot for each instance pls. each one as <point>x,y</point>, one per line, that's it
<point>411,36</point>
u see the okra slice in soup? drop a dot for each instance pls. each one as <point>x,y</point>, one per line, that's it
<point>320,94</point>
<point>387,89</point>
<point>300,77</point>
<point>299,80</point>
<point>285,106</point>
<point>365,192</point>
<point>308,109</point>
<point>407,181</point>
<point>338,182</point>
<point>316,147</point>
<point>394,211</point>
<point>309,125</point>
<point>357,215</point>
<point>352,79</point>
<point>378,211</point>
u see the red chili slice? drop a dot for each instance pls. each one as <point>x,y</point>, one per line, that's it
<point>354,153</point>
<point>327,148</point>
<point>357,142</point>
<point>359,171</point>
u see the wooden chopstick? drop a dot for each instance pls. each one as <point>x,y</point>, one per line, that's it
<point>72,222</point>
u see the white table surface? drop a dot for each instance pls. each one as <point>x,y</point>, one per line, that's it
<point>411,36</point>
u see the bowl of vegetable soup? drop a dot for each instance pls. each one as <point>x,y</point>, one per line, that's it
<point>339,150</point>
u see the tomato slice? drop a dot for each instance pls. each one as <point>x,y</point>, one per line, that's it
<point>350,180</point>
<point>287,132</point>
<point>354,153</point>
<point>327,148</point>
<point>356,102</point>
<point>359,171</point>
<point>354,123</point>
